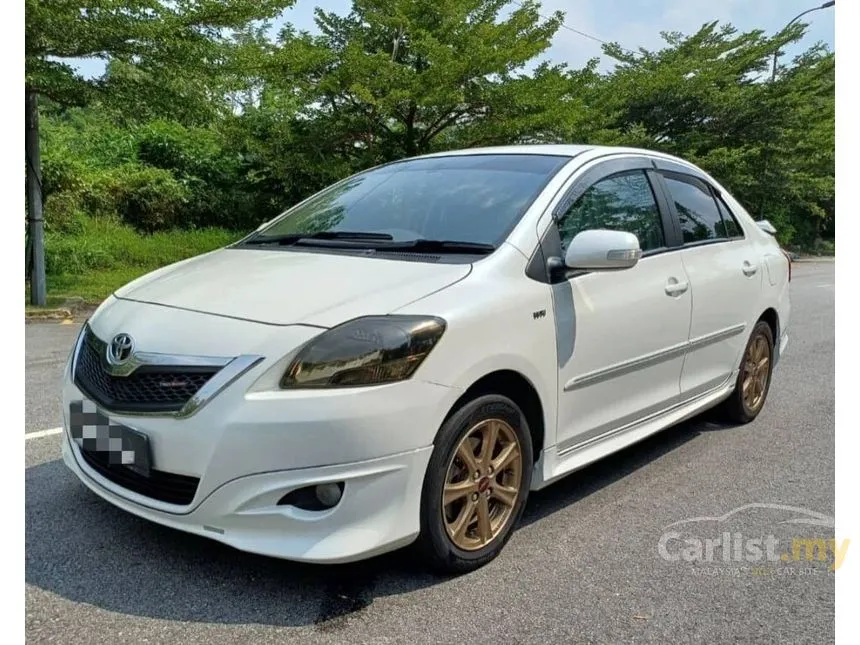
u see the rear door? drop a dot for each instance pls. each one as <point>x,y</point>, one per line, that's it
<point>725,276</point>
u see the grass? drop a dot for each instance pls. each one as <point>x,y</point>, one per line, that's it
<point>92,287</point>
<point>101,255</point>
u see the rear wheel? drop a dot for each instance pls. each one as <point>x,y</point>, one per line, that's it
<point>753,381</point>
<point>476,484</point>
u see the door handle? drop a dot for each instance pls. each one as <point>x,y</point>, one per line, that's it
<point>749,269</point>
<point>675,288</point>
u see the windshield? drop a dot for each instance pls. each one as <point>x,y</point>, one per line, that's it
<point>473,198</point>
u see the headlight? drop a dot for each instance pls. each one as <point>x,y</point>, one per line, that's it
<point>365,351</point>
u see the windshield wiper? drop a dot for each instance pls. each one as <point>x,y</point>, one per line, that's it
<point>302,238</point>
<point>438,246</point>
<point>374,241</point>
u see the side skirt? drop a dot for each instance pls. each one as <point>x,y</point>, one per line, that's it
<point>554,465</point>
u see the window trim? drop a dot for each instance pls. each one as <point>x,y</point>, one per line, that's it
<point>671,225</point>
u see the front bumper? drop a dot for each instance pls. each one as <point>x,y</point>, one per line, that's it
<point>254,457</point>
<point>378,511</point>
<point>253,443</point>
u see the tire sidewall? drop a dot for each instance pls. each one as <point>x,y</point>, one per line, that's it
<point>434,537</point>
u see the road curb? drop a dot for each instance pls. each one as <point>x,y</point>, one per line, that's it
<point>43,315</point>
<point>73,309</point>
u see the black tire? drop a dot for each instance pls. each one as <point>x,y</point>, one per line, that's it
<point>434,543</point>
<point>736,408</point>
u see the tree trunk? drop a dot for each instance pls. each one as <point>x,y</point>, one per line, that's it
<point>35,222</point>
<point>410,143</point>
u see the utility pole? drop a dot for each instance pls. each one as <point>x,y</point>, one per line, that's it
<point>35,221</point>
<point>826,5</point>
<point>767,152</point>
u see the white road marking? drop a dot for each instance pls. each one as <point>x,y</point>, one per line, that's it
<point>42,433</point>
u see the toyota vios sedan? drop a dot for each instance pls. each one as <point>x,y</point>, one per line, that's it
<point>403,356</point>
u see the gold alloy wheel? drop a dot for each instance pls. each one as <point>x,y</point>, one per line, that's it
<point>482,484</point>
<point>756,372</point>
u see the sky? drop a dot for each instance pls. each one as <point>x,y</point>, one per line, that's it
<point>632,23</point>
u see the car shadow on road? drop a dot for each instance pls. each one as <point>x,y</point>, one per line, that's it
<point>85,550</point>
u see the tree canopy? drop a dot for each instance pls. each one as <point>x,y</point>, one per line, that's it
<point>205,117</point>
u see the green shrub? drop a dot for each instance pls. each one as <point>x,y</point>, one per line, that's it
<point>153,200</point>
<point>63,213</point>
<point>825,247</point>
<point>62,175</point>
<point>150,199</point>
<point>184,151</point>
<point>107,244</point>
<point>155,175</point>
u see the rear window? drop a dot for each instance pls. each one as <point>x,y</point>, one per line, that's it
<point>733,229</point>
<point>700,218</point>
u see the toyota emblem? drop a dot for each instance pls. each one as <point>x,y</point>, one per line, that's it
<point>120,349</point>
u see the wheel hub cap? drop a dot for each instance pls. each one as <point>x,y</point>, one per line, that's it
<point>756,373</point>
<point>482,484</point>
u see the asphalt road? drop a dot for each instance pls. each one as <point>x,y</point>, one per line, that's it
<point>583,567</point>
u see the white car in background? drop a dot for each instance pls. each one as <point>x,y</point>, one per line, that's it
<point>405,355</point>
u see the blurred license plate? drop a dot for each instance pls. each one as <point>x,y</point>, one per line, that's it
<point>95,432</point>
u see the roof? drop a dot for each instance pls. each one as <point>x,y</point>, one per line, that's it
<point>562,150</point>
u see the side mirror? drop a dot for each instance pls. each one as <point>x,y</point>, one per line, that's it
<point>766,226</point>
<point>603,250</point>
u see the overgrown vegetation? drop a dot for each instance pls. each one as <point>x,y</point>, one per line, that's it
<point>203,126</point>
<point>101,254</point>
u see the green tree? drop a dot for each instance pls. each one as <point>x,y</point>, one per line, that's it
<point>157,50</point>
<point>202,119</point>
<point>707,98</point>
<point>395,76</point>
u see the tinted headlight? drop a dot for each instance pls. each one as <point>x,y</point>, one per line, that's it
<point>365,351</point>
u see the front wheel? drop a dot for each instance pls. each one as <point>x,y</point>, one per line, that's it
<point>476,484</point>
<point>754,375</point>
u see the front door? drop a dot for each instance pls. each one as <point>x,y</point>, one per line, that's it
<point>622,335</point>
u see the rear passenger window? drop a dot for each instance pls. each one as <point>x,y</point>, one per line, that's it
<point>733,229</point>
<point>697,210</point>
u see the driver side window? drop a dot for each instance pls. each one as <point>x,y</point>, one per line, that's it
<point>622,202</point>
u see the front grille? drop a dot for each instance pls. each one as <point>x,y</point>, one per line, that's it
<point>149,388</point>
<point>165,487</point>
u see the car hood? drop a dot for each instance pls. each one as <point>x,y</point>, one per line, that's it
<point>291,287</point>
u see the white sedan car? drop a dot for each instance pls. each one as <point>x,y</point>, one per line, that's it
<point>403,356</point>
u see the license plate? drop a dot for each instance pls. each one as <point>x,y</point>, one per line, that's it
<point>95,432</point>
